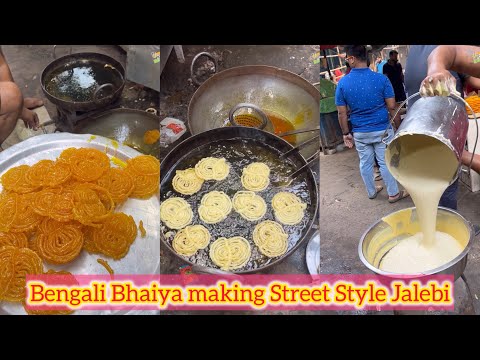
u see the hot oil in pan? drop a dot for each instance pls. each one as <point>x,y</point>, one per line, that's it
<point>75,82</point>
<point>239,153</point>
<point>281,125</point>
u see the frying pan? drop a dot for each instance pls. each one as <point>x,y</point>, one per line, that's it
<point>127,126</point>
<point>108,73</point>
<point>240,146</point>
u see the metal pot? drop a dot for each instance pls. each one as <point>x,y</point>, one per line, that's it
<point>105,93</point>
<point>442,118</point>
<point>380,238</point>
<point>126,126</point>
<point>274,90</point>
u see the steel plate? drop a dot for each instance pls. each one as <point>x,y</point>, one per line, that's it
<point>313,254</point>
<point>144,254</point>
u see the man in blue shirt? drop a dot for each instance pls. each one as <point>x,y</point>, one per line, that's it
<point>370,97</point>
<point>380,62</point>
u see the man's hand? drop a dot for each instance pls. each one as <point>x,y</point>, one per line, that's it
<point>441,83</point>
<point>348,140</point>
<point>30,118</point>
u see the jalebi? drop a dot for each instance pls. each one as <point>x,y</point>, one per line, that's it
<point>119,184</point>
<point>91,204</point>
<point>151,136</point>
<point>88,242</point>
<point>48,173</point>
<point>8,210</point>
<point>13,239</point>
<point>88,164</point>
<point>26,219</point>
<point>61,245</point>
<point>144,165</point>
<point>116,235</point>
<point>15,265</point>
<point>14,180</point>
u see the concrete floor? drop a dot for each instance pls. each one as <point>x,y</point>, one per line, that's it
<point>346,213</point>
<point>177,90</point>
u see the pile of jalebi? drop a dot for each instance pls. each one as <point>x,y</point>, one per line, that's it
<point>53,209</point>
<point>474,102</point>
<point>145,172</point>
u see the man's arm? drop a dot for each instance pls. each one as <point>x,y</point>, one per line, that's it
<point>473,82</point>
<point>460,58</point>
<point>467,157</point>
<point>5,73</point>
<point>401,73</point>
<point>343,120</point>
<point>392,107</point>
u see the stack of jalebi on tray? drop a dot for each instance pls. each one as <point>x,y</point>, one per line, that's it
<point>52,210</point>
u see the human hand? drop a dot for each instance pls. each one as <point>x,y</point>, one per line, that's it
<point>30,118</point>
<point>348,140</point>
<point>441,83</point>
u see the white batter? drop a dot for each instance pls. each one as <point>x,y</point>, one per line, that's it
<point>425,169</point>
<point>410,256</point>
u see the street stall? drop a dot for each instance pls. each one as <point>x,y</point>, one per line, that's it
<point>254,126</point>
<point>79,196</point>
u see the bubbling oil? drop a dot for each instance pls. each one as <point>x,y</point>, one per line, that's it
<point>75,82</point>
<point>239,153</point>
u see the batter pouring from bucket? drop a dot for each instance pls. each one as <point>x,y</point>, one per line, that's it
<point>425,157</point>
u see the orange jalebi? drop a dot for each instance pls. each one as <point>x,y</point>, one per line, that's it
<point>48,173</point>
<point>91,204</point>
<point>151,136</point>
<point>144,165</point>
<point>8,210</point>
<point>88,242</point>
<point>43,200</point>
<point>116,235</point>
<point>65,206</point>
<point>13,239</point>
<point>62,206</point>
<point>67,154</point>
<point>14,180</point>
<point>59,246</point>
<point>143,232</point>
<point>106,265</point>
<point>119,184</point>
<point>88,164</point>
<point>145,185</point>
<point>26,218</point>
<point>15,264</point>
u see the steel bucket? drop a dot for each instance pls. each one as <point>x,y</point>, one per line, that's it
<point>442,118</point>
<point>381,237</point>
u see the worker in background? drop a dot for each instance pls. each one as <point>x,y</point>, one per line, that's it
<point>12,104</point>
<point>370,98</point>
<point>393,70</point>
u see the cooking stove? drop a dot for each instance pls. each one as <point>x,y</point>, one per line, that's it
<point>66,120</point>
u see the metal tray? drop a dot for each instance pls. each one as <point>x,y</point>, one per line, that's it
<point>144,254</point>
<point>313,254</point>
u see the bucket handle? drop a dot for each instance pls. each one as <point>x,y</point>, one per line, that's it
<point>455,96</point>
